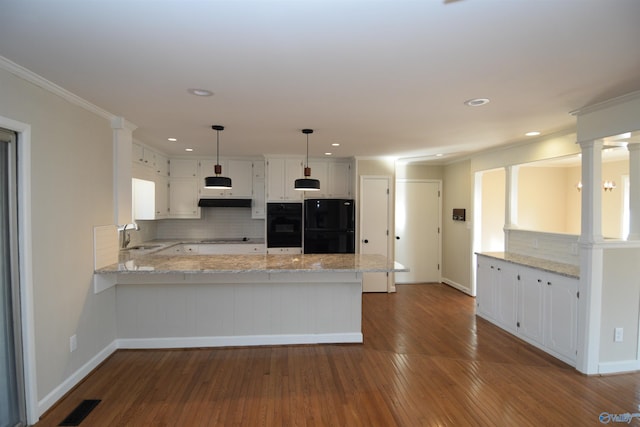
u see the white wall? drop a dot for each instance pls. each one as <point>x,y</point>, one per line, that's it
<point>71,192</point>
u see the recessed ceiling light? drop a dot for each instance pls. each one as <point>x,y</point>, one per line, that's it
<point>200,92</point>
<point>534,133</point>
<point>335,144</point>
<point>439,155</point>
<point>172,139</point>
<point>328,154</point>
<point>476,102</point>
<point>188,149</point>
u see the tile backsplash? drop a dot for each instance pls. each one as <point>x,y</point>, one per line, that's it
<point>551,246</point>
<point>215,223</point>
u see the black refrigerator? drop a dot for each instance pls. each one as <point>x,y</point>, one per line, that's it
<point>329,226</point>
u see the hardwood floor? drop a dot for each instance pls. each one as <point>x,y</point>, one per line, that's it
<point>426,360</point>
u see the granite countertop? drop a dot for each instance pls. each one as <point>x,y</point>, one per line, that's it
<point>254,263</point>
<point>539,263</point>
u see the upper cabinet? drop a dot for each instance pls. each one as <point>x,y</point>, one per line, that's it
<point>281,175</point>
<point>334,176</point>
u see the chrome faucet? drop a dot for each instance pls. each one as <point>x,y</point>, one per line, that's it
<point>126,237</point>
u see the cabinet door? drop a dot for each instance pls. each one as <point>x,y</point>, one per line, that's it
<point>485,288</point>
<point>241,174</point>
<point>258,200</point>
<point>162,196</point>
<point>320,171</point>
<point>161,165</point>
<point>561,315</point>
<point>506,288</point>
<point>293,171</point>
<point>183,168</point>
<point>183,198</point>
<point>339,180</point>
<point>281,176</point>
<point>275,179</point>
<point>530,304</point>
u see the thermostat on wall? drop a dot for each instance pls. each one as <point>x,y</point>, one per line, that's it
<point>459,214</point>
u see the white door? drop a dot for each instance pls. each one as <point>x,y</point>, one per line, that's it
<point>418,230</point>
<point>374,227</point>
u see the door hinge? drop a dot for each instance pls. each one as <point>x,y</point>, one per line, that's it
<point>438,230</point>
<point>438,193</point>
<point>518,277</point>
<point>578,294</point>
<point>438,267</point>
<point>387,232</point>
<point>387,191</point>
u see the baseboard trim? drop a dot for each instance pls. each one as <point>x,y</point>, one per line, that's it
<point>624,366</point>
<point>74,379</point>
<point>458,286</point>
<point>232,341</point>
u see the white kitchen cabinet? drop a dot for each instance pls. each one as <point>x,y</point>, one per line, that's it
<point>319,171</point>
<point>561,315</point>
<point>258,199</point>
<point>162,196</point>
<point>183,168</point>
<point>506,294</point>
<point>281,175</point>
<point>240,172</point>
<point>183,198</point>
<point>161,164</point>
<point>542,305</point>
<point>486,288</point>
<point>339,180</point>
<point>334,177</point>
<point>142,155</point>
<point>531,304</point>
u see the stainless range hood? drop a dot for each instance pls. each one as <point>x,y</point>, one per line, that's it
<point>224,203</point>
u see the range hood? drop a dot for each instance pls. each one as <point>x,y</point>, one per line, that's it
<point>224,203</point>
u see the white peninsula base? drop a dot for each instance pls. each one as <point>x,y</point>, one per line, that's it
<point>229,309</point>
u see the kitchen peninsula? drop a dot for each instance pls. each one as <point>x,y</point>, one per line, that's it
<point>176,301</point>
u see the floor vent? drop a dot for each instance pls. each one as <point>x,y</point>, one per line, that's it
<point>80,413</point>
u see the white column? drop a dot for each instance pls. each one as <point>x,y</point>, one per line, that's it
<point>591,225</point>
<point>590,286</point>
<point>511,193</point>
<point>122,146</point>
<point>634,191</point>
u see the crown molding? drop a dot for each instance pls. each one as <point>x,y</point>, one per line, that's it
<point>606,104</point>
<point>45,84</point>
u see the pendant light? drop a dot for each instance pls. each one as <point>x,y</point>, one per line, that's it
<point>306,183</point>
<point>217,181</point>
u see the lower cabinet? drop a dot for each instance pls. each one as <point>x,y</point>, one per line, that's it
<point>537,306</point>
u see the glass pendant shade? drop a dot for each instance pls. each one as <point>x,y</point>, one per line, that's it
<point>217,182</point>
<point>306,183</point>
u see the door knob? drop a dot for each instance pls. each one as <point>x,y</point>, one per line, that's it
<point>397,237</point>
<point>365,241</point>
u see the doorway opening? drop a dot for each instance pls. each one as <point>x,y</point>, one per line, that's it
<point>12,388</point>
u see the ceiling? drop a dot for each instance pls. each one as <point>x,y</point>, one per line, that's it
<point>381,78</point>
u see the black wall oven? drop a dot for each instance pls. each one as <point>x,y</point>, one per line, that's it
<point>284,225</point>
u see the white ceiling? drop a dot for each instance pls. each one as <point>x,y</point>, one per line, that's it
<point>382,78</point>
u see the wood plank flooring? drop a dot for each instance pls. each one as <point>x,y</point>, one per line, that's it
<point>426,360</point>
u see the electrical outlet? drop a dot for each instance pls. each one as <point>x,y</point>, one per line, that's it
<point>617,335</point>
<point>73,343</point>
